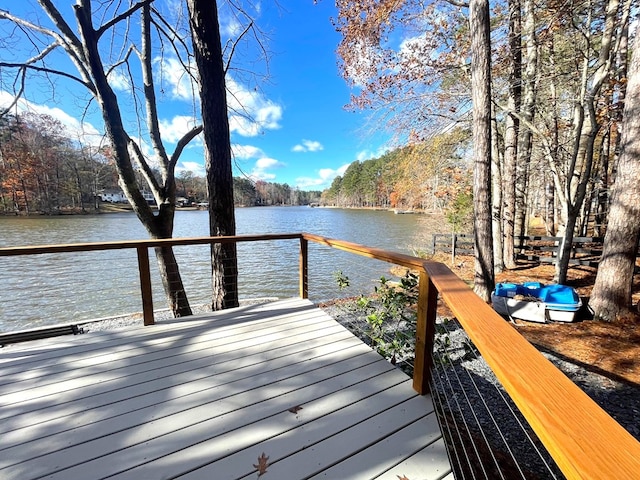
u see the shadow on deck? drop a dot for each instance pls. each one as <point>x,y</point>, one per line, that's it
<point>278,388</point>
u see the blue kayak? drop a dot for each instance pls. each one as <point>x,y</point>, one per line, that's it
<point>535,302</point>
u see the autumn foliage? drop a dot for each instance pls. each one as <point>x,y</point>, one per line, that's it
<point>427,175</point>
<point>43,171</point>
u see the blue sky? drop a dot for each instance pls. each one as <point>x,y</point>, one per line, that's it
<point>299,132</point>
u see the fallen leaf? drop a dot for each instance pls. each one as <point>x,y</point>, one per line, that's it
<point>263,463</point>
<point>403,477</point>
<point>295,409</point>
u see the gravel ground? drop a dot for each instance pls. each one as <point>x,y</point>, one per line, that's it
<point>482,421</point>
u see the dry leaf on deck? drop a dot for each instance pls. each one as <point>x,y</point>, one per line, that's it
<point>263,463</point>
<point>403,477</point>
<point>295,409</point>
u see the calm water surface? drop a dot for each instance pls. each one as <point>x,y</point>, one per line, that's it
<point>47,289</point>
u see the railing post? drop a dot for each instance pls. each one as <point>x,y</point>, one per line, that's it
<point>145,285</point>
<point>304,268</point>
<point>425,332</point>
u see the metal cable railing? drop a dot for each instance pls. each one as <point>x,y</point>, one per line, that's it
<point>584,441</point>
<point>487,435</point>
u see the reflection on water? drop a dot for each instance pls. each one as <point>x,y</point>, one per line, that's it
<point>47,289</point>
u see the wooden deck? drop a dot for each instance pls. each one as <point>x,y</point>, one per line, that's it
<point>204,398</point>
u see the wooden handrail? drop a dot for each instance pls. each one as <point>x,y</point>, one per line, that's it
<point>427,299</point>
<point>584,440</point>
<point>142,247</point>
<point>369,252</point>
<point>150,243</point>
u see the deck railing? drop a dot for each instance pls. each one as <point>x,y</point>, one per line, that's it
<point>582,438</point>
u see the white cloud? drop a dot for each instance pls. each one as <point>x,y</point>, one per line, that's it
<point>195,167</point>
<point>230,26</point>
<point>368,154</point>
<point>246,152</point>
<point>250,112</point>
<point>308,146</point>
<point>173,74</point>
<point>266,162</point>
<point>77,130</point>
<point>119,81</point>
<point>323,180</point>
<point>262,166</point>
<point>174,129</point>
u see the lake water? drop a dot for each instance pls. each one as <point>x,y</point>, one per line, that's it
<point>46,289</point>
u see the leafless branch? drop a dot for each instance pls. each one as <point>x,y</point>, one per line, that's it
<point>122,16</point>
<point>72,42</point>
<point>149,91</point>
<point>146,169</point>
<point>182,143</point>
<point>48,70</point>
<point>457,3</point>
<point>171,36</point>
<point>235,44</point>
<point>122,61</point>
<point>174,35</point>
<point>18,95</point>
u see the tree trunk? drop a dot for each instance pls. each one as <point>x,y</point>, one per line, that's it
<point>525,135</point>
<point>496,199</point>
<point>550,207</point>
<point>512,126</point>
<point>160,226</point>
<point>205,33</point>
<point>484,278</point>
<point>586,126</point>
<point>611,295</point>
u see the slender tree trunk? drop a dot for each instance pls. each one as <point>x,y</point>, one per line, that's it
<point>160,226</point>
<point>587,124</point>
<point>550,207</point>
<point>525,135</point>
<point>205,32</point>
<point>552,154</point>
<point>496,198</point>
<point>611,295</point>
<point>512,126</point>
<point>602,190</point>
<point>484,278</point>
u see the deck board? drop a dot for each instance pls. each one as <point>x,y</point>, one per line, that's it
<point>205,397</point>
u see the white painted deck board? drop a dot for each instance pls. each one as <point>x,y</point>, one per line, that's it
<point>144,359</point>
<point>202,398</point>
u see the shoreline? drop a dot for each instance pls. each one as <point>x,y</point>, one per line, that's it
<point>110,208</point>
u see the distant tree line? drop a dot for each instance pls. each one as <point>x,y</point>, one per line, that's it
<point>249,193</point>
<point>43,171</point>
<point>430,175</point>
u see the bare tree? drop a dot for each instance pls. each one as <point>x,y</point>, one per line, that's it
<point>205,34</point>
<point>586,125</point>
<point>479,23</point>
<point>83,49</point>
<point>611,295</point>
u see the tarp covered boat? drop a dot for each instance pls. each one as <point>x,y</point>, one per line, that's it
<point>535,302</point>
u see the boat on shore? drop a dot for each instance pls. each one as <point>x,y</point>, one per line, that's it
<point>535,302</point>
